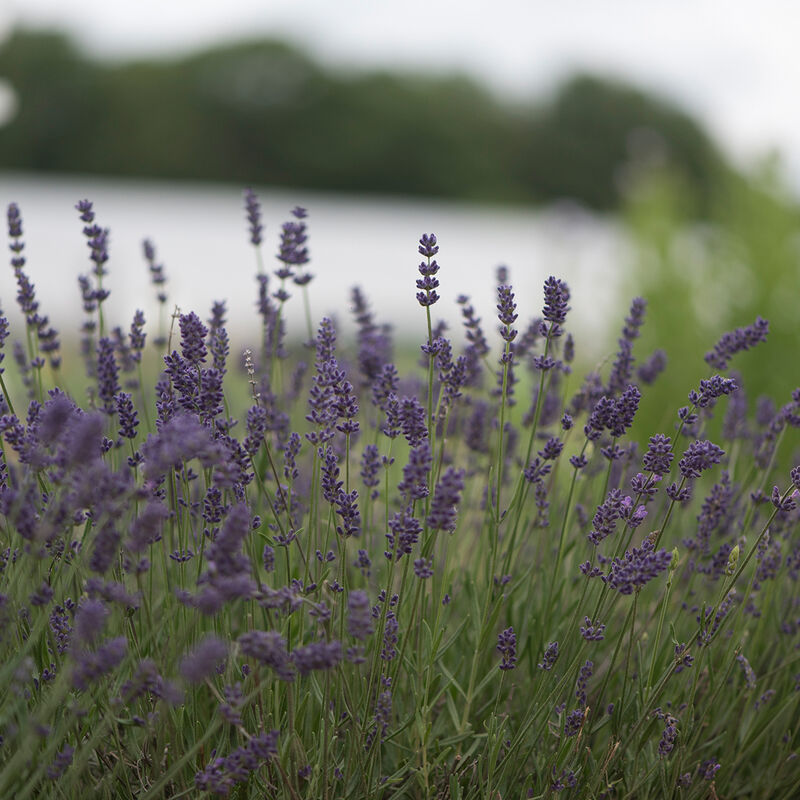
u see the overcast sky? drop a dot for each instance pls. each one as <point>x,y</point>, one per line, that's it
<point>734,63</point>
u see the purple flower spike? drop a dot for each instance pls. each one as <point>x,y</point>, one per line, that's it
<point>507,647</point>
<point>446,497</point>
<point>606,516</point>
<point>556,299</point>
<point>659,455</point>
<point>201,662</point>
<point>735,341</point>
<point>428,283</point>
<point>359,616</point>
<point>317,656</point>
<point>269,648</point>
<point>193,335</point>
<point>253,209</point>
<point>550,657</point>
<point>292,251</point>
<point>668,737</point>
<point>638,566</point>
<point>506,312</point>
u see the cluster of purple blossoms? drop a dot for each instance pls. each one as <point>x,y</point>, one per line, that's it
<point>710,390</point>
<point>404,531</point>
<point>637,567</point>
<point>708,769</point>
<point>659,455</point>
<point>593,631</point>
<point>317,656</point>
<point>573,722</point>
<point>222,774</point>
<point>605,519</point>
<point>613,414</point>
<point>93,664</point>
<point>565,780</point>
<point>202,661</point>
<point>698,457</point>
<point>415,473</point>
<point>268,648</point>
<point>668,737</point>
<point>423,568</point>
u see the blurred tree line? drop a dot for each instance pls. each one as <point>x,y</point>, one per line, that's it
<point>263,112</point>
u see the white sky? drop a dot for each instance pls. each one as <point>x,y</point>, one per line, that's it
<point>734,63</point>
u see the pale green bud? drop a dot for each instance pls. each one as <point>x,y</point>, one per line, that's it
<point>733,557</point>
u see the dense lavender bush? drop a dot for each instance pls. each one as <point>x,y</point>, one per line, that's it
<point>244,577</point>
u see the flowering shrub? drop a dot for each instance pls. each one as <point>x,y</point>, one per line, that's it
<point>252,578</point>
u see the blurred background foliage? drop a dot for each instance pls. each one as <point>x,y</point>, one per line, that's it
<point>264,112</point>
<point>711,247</point>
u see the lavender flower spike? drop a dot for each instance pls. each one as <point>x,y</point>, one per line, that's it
<point>253,209</point>
<point>446,497</point>
<point>735,341</point>
<point>507,647</point>
<point>638,566</point>
<point>556,298</point>
<point>428,283</point>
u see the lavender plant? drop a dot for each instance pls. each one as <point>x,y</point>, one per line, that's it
<point>357,582</point>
